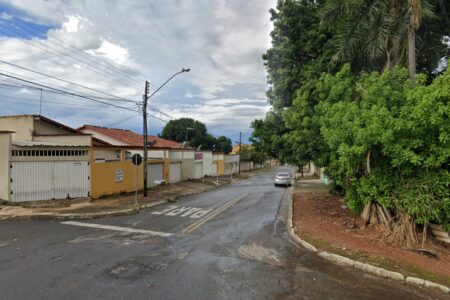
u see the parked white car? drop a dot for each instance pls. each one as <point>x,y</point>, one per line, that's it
<point>283,178</point>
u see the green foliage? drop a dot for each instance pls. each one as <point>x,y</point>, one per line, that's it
<point>252,154</point>
<point>297,41</point>
<point>373,34</point>
<point>195,132</point>
<point>267,136</point>
<point>223,144</point>
<point>403,128</point>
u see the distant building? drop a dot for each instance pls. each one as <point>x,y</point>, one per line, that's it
<point>236,149</point>
<point>125,137</point>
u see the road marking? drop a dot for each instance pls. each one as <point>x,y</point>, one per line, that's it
<point>200,222</point>
<point>192,212</point>
<point>117,228</point>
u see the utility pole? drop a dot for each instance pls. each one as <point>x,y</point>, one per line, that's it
<point>240,152</point>
<point>144,112</point>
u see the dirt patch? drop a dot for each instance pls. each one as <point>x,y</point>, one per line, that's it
<point>325,221</point>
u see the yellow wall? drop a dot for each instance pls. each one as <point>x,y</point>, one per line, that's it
<point>103,177</point>
<point>220,167</point>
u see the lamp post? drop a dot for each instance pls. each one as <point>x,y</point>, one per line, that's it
<point>144,111</point>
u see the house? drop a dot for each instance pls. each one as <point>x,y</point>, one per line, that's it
<point>237,148</point>
<point>41,159</point>
<point>180,160</point>
<point>124,137</point>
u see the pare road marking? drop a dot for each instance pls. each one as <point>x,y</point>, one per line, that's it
<point>117,228</point>
<point>183,211</point>
<point>202,221</point>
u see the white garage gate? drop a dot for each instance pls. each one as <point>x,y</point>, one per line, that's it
<point>154,172</point>
<point>198,170</point>
<point>31,181</point>
<point>175,172</point>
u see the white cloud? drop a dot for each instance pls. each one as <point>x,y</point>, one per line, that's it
<point>111,51</point>
<point>131,41</point>
<point>71,25</point>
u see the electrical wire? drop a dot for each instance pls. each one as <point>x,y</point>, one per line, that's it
<point>66,81</point>
<point>70,93</point>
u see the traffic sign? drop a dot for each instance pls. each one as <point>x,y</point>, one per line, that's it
<point>136,159</point>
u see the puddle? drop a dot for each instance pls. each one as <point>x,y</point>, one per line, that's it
<point>260,253</point>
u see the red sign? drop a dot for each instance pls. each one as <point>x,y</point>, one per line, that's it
<point>198,156</point>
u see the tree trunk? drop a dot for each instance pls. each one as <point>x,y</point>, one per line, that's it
<point>412,52</point>
<point>368,170</point>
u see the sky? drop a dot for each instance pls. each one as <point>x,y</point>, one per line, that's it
<point>112,47</point>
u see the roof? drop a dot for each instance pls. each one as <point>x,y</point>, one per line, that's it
<point>48,144</point>
<point>45,119</point>
<point>131,138</point>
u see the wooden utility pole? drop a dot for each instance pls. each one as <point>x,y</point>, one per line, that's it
<point>240,152</point>
<point>144,115</point>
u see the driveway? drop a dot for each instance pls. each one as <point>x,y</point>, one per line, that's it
<point>228,243</point>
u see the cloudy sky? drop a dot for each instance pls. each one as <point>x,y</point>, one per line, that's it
<point>113,46</point>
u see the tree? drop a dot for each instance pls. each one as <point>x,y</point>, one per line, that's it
<point>249,153</point>
<point>223,144</point>
<point>267,135</point>
<point>195,132</point>
<point>297,39</point>
<point>380,34</point>
<point>406,130</point>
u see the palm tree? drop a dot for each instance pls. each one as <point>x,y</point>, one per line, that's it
<point>376,34</point>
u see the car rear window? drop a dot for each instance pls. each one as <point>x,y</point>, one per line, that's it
<point>283,175</point>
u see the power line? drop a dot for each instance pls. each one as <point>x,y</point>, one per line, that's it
<point>66,81</point>
<point>76,50</point>
<point>62,54</point>
<point>162,96</point>
<point>55,92</point>
<point>70,93</point>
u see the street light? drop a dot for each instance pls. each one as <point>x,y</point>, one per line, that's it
<point>144,111</point>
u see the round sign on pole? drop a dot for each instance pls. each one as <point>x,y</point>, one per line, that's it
<point>136,159</point>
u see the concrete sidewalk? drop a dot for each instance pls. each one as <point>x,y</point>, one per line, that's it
<point>124,204</point>
<point>117,205</point>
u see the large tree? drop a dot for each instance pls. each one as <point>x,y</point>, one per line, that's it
<point>195,134</point>
<point>380,34</point>
<point>223,144</point>
<point>297,39</point>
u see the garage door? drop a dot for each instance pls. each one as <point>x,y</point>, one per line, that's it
<point>155,172</point>
<point>31,181</point>
<point>228,169</point>
<point>175,172</point>
<point>198,170</point>
<point>214,169</point>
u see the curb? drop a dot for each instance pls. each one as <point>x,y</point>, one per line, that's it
<point>344,261</point>
<point>108,214</point>
<point>62,216</point>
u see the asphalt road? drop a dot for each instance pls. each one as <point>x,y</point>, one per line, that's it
<point>242,252</point>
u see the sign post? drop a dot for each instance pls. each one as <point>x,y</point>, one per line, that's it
<point>137,160</point>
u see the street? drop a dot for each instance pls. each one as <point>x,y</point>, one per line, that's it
<point>229,243</point>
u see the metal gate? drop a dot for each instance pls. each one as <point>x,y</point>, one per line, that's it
<point>198,170</point>
<point>155,172</point>
<point>175,172</point>
<point>31,181</point>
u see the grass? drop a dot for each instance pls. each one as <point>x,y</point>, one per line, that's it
<point>380,261</point>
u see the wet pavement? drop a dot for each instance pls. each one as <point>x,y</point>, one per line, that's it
<point>242,252</point>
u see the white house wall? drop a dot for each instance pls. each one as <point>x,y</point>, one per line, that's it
<point>208,166</point>
<point>5,146</point>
